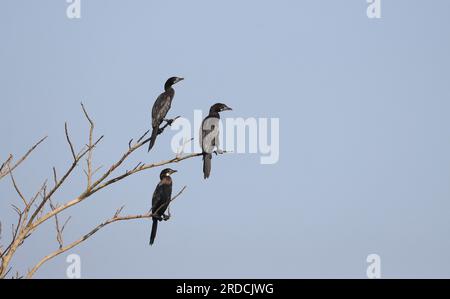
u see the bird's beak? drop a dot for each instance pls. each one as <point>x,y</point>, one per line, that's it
<point>178,80</point>
<point>173,171</point>
<point>227,108</point>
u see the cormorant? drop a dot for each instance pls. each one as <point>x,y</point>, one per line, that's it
<point>161,107</point>
<point>161,200</point>
<point>209,135</point>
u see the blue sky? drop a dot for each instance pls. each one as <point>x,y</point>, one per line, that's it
<point>364,133</point>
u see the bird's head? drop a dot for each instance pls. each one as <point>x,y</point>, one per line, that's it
<point>166,173</point>
<point>171,81</point>
<point>219,107</point>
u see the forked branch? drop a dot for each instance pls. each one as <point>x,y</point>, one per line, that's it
<point>116,217</point>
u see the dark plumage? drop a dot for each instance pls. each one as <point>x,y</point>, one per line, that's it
<point>161,107</point>
<point>209,135</point>
<point>161,200</point>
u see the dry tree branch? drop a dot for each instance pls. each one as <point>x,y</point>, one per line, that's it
<point>116,217</point>
<point>42,191</point>
<point>17,188</point>
<point>58,184</point>
<point>96,187</point>
<point>15,232</point>
<point>72,150</point>
<point>168,122</point>
<point>6,163</point>
<point>27,226</point>
<point>59,229</point>
<point>89,158</point>
<point>23,158</point>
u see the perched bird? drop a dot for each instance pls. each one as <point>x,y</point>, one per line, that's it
<point>161,200</point>
<point>209,135</point>
<point>161,107</point>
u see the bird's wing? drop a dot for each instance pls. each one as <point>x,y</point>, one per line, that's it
<point>161,198</point>
<point>157,198</point>
<point>209,134</point>
<point>160,108</point>
<point>167,195</point>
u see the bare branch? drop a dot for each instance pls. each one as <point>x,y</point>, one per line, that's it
<point>27,226</point>
<point>142,137</point>
<point>119,210</point>
<point>168,123</point>
<point>23,158</point>
<point>70,142</point>
<point>65,223</point>
<point>91,148</point>
<point>59,229</point>
<point>55,177</point>
<point>97,186</point>
<point>115,218</point>
<point>161,130</point>
<point>1,247</point>
<point>42,191</point>
<point>60,182</point>
<point>15,231</point>
<point>6,163</point>
<point>17,188</point>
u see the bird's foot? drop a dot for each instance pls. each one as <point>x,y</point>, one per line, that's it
<point>169,121</point>
<point>165,217</point>
<point>158,217</point>
<point>218,152</point>
<point>160,130</point>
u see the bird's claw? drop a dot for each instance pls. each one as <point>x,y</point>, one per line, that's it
<point>165,217</point>
<point>218,152</point>
<point>169,121</point>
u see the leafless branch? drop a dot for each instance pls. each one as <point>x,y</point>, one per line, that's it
<point>59,229</point>
<point>39,214</point>
<point>168,122</point>
<point>55,177</point>
<point>17,188</point>
<point>70,142</point>
<point>6,163</point>
<point>116,217</point>
<point>23,158</point>
<point>62,180</point>
<point>15,231</point>
<point>91,148</point>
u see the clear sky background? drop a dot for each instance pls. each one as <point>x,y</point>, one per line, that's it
<point>364,142</point>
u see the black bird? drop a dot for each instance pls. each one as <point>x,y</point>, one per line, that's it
<point>161,107</point>
<point>161,200</point>
<point>209,135</point>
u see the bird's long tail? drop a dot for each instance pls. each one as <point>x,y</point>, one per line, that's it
<point>153,138</point>
<point>154,228</point>
<point>206,165</point>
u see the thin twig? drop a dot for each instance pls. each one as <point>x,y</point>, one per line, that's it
<point>17,188</point>
<point>24,157</point>
<point>6,163</point>
<point>89,157</point>
<point>74,156</point>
